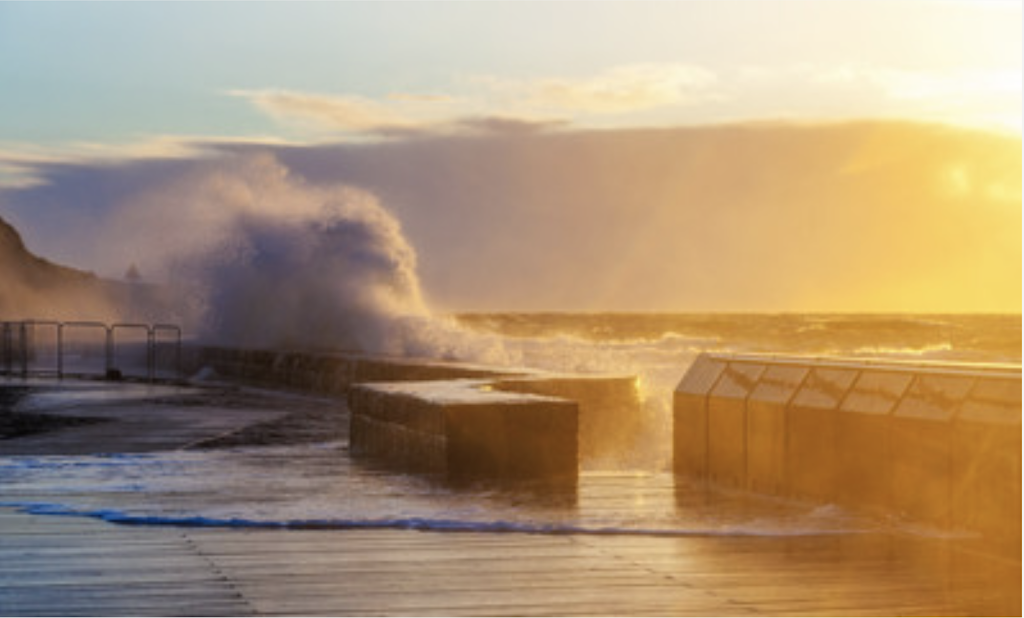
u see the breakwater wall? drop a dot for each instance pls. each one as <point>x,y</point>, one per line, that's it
<point>465,429</point>
<point>327,373</point>
<point>461,419</point>
<point>936,442</point>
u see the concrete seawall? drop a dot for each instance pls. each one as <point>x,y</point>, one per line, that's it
<point>460,419</point>
<point>936,442</point>
<point>465,429</point>
<point>329,373</point>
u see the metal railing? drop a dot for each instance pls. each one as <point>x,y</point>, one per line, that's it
<point>41,348</point>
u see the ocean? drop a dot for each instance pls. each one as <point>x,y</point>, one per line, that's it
<point>320,485</point>
<point>659,347</point>
<point>989,338</point>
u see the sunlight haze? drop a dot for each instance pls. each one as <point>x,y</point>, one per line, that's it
<point>720,156</point>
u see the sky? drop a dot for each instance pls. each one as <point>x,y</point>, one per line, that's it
<point>107,90</point>
<point>131,74</point>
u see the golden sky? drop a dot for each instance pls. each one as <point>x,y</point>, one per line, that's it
<point>726,155</point>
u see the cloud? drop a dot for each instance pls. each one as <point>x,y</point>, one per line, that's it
<point>502,125</point>
<point>625,89</point>
<point>20,170</point>
<point>984,97</point>
<point>331,112</point>
<point>871,216</point>
<point>396,115</point>
<point>23,166</point>
<point>525,103</point>
<point>906,84</point>
<point>656,94</point>
<point>421,98</point>
<point>617,90</point>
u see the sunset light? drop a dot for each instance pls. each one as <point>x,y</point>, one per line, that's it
<point>590,307</point>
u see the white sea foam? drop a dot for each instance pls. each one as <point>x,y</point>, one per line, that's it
<point>259,257</point>
<point>315,486</point>
<point>428,524</point>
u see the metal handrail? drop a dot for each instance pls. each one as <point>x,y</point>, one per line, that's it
<point>176,333</point>
<point>150,359</point>
<point>17,346</point>
<point>107,343</point>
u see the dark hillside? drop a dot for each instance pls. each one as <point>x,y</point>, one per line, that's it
<point>34,288</point>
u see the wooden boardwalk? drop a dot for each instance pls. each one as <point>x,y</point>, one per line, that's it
<point>64,565</point>
<point>53,565</point>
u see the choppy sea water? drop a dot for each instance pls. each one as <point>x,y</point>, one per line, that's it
<point>660,347</point>
<point>321,486</point>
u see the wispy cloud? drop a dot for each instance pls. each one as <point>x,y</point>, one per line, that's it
<point>976,96</point>
<point>907,84</point>
<point>659,94</point>
<point>505,125</point>
<point>666,91</point>
<point>24,166</point>
<point>616,90</point>
<point>524,102</point>
<point>625,89</point>
<point>421,98</point>
<point>332,112</point>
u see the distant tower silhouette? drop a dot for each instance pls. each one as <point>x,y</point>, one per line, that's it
<point>132,275</point>
<point>133,301</point>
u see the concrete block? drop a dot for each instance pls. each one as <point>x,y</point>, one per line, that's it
<point>610,420</point>
<point>690,416</point>
<point>727,422</point>
<point>810,467</point>
<point>922,458</point>
<point>863,449</point>
<point>986,460</point>
<point>766,426</point>
<point>524,439</point>
<point>400,428</point>
<point>330,373</point>
<point>462,429</point>
<point>937,443</point>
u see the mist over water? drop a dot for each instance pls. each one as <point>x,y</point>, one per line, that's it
<point>259,257</point>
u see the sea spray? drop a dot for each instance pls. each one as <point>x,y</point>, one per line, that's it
<point>332,281</point>
<point>265,259</point>
<point>261,258</point>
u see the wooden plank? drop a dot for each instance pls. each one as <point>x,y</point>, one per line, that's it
<point>79,566</point>
<point>118,570</point>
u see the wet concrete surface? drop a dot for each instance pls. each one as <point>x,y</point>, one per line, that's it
<point>55,565</point>
<point>136,417</point>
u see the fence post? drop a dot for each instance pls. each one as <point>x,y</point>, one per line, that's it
<point>19,348</point>
<point>176,331</point>
<point>60,350</point>
<point>150,354</point>
<point>23,340</point>
<point>5,348</point>
<point>110,351</point>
